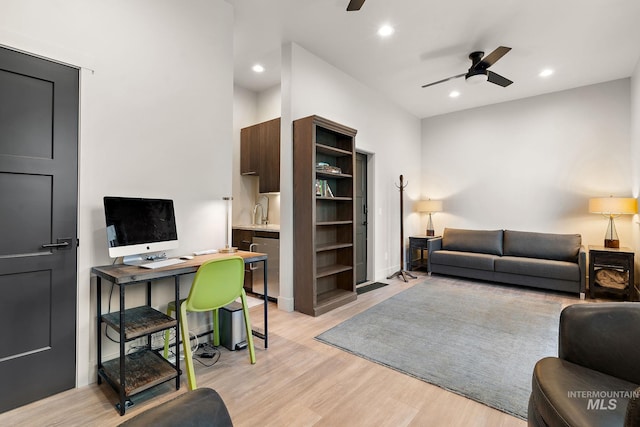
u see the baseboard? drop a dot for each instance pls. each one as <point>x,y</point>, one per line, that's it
<point>382,275</point>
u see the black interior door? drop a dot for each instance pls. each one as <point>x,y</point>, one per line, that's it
<point>38,217</point>
<point>361,217</point>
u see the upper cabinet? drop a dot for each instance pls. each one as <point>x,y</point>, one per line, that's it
<point>260,154</point>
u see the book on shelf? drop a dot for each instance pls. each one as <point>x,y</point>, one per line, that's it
<point>323,189</point>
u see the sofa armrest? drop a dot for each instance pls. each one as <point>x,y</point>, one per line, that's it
<point>582,264</point>
<point>604,337</point>
<point>432,245</point>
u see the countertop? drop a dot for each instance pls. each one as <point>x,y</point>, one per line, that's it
<point>258,227</point>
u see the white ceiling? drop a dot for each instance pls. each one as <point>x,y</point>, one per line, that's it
<point>584,41</point>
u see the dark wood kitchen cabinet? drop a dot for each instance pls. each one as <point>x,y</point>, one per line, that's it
<point>260,154</point>
<point>244,240</point>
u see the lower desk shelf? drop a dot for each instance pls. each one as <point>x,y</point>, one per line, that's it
<point>139,321</point>
<point>143,370</point>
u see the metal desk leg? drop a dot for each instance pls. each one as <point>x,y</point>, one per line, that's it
<point>99,322</point>
<point>265,335</point>
<point>149,305</point>
<point>123,381</point>
<point>266,303</point>
<point>177,285</point>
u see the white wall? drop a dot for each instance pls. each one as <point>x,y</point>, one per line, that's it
<point>156,118</point>
<point>391,135</point>
<point>251,108</point>
<point>245,113</point>
<point>269,104</point>
<point>532,164</point>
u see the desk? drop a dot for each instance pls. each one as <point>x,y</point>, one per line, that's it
<point>127,374</point>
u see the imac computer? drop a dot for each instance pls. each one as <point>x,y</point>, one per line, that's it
<point>138,226</point>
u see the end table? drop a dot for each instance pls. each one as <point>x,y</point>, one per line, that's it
<point>418,243</point>
<point>619,262</point>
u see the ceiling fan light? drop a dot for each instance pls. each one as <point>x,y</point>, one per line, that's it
<point>477,78</point>
<point>546,72</point>
<point>386,30</point>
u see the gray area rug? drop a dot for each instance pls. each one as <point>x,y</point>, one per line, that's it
<point>476,342</point>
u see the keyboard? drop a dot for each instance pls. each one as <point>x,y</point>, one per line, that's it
<point>206,252</point>
<point>163,263</point>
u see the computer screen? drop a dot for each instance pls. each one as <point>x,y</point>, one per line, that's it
<point>137,226</point>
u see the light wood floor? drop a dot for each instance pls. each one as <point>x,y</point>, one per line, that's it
<point>297,381</point>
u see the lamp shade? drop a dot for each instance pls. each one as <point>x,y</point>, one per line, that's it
<point>428,206</point>
<point>613,205</point>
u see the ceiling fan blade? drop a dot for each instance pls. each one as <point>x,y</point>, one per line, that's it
<point>498,79</point>
<point>493,57</point>
<point>355,5</point>
<point>445,80</point>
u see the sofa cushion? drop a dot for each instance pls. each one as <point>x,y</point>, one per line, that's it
<point>561,270</point>
<point>560,391</point>
<point>479,241</point>
<point>560,247</point>
<point>463,259</point>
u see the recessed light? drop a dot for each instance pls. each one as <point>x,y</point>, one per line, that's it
<point>454,94</point>
<point>546,72</point>
<point>385,30</point>
<point>258,68</point>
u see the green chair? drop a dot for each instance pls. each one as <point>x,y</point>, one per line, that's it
<point>217,283</point>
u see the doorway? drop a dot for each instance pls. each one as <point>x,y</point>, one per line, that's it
<point>38,225</point>
<point>361,208</point>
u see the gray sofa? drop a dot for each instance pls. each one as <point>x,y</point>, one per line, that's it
<point>541,260</point>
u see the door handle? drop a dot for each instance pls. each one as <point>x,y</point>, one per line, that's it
<point>60,244</point>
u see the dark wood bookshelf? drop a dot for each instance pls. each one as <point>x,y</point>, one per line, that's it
<point>323,225</point>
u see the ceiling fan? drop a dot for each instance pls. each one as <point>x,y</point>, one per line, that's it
<point>355,5</point>
<point>478,71</point>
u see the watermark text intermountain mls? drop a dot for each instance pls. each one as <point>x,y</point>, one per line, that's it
<point>603,400</point>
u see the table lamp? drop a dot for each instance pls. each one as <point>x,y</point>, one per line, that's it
<point>612,207</point>
<point>430,207</point>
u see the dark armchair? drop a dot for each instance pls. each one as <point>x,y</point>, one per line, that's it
<point>595,380</point>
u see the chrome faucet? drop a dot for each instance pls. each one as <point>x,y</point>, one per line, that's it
<point>264,213</point>
<point>255,209</point>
